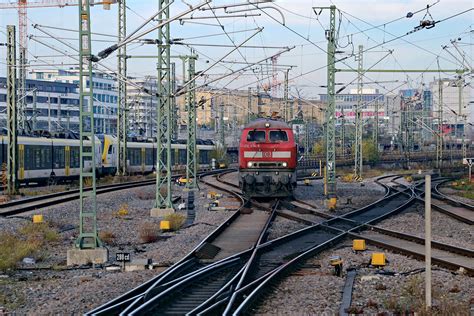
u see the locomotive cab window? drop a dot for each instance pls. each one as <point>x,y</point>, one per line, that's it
<point>256,136</point>
<point>278,136</point>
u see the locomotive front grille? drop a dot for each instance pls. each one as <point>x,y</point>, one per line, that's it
<point>268,164</point>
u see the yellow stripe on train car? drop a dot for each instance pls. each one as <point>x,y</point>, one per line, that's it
<point>21,154</point>
<point>67,160</point>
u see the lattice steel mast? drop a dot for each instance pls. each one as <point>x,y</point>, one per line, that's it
<point>88,237</point>
<point>191,158</point>
<point>331,110</point>
<point>122,106</point>
<point>358,118</point>
<point>23,30</point>
<point>285,96</point>
<point>439,138</point>
<point>12,184</point>
<point>163,170</point>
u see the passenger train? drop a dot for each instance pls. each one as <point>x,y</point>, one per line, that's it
<point>267,159</point>
<point>52,159</point>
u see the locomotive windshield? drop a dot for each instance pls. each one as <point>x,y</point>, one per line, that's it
<point>278,136</point>
<point>256,136</point>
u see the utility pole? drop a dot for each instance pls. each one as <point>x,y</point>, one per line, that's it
<point>191,158</point>
<point>163,170</point>
<point>12,184</point>
<point>358,119</point>
<point>122,110</point>
<point>249,104</point>
<point>439,138</point>
<point>88,238</point>
<point>285,96</point>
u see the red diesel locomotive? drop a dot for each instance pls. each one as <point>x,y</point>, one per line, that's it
<point>267,159</point>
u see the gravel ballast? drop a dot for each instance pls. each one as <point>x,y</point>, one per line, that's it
<point>315,290</point>
<point>75,291</point>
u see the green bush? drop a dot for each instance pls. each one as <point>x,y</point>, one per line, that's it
<point>176,220</point>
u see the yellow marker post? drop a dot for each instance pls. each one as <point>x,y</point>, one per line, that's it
<point>37,219</point>
<point>358,245</point>
<point>165,225</point>
<point>378,259</point>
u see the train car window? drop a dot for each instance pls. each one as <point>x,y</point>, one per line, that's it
<point>75,159</point>
<point>110,149</point>
<point>59,157</point>
<point>256,136</point>
<point>182,156</point>
<point>203,157</point>
<point>149,156</point>
<point>278,136</point>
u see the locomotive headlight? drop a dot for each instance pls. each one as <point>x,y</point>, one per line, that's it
<point>249,164</point>
<point>284,164</point>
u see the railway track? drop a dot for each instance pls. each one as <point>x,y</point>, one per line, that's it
<point>446,205</point>
<point>231,285</point>
<point>254,289</point>
<point>200,274</point>
<point>24,205</point>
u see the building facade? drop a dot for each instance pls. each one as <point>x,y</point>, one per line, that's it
<point>104,93</point>
<point>51,106</point>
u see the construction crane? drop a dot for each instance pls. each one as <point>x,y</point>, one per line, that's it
<point>22,6</point>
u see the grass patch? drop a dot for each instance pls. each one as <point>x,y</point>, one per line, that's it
<point>464,188</point>
<point>149,233</point>
<point>176,220</point>
<point>107,237</point>
<point>412,300</point>
<point>30,241</point>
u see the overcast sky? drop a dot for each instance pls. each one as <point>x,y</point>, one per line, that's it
<point>302,28</point>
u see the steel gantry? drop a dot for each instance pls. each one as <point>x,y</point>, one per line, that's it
<point>12,184</point>
<point>358,118</point>
<point>122,106</point>
<point>163,168</point>
<point>88,237</point>
<point>192,154</point>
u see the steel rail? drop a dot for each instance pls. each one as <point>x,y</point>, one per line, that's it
<point>24,205</point>
<point>174,296</point>
<point>180,273</point>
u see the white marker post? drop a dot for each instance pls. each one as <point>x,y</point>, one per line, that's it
<point>428,241</point>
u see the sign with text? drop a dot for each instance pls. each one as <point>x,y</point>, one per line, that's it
<point>122,256</point>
